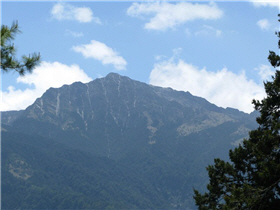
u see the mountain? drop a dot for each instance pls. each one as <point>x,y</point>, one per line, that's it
<point>114,143</point>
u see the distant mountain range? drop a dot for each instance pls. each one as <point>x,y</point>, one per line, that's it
<point>114,143</point>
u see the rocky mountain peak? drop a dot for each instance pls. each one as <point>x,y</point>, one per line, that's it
<point>119,104</point>
<point>161,136</point>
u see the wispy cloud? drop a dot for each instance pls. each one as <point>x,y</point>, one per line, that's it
<point>223,88</point>
<point>64,11</point>
<point>264,24</point>
<point>205,30</point>
<point>101,52</point>
<point>209,30</point>
<point>73,33</point>
<point>269,3</point>
<point>265,72</point>
<point>164,16</point>
<point>43,77</point>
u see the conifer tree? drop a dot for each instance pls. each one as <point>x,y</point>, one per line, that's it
<point>252,179</point>
<point>8,60</point>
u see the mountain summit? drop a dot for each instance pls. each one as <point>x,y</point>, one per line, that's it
<point>160,139</point>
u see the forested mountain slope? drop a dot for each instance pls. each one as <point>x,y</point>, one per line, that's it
<point>114,143</point>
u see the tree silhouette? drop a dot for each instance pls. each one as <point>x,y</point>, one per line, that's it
<point>252,179</point>
<point>8,60</point>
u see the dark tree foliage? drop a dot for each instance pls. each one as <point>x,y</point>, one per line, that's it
<point>252,180</point>
<point>8,60</point>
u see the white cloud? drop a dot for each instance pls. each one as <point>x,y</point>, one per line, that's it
<point>265,72</point>
<point>64,11</point>
<point>43,77</point>
<point>168,15</point>
<point>264,3</point>
<point>13,99</point>
<point>223,88</point>
<point>100,51</point>
<point>264,24</point>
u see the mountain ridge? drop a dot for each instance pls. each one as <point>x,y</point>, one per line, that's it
<point>116,101</point>
<point>167,93</point>
<point>159,137</point>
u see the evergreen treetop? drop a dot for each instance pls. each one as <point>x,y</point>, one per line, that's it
<point>252,179</point>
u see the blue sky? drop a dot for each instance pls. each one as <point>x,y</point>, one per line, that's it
<point>217,50</point>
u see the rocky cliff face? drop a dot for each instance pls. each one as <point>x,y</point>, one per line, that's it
<point>135,123</point>
<point>111,109</point>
